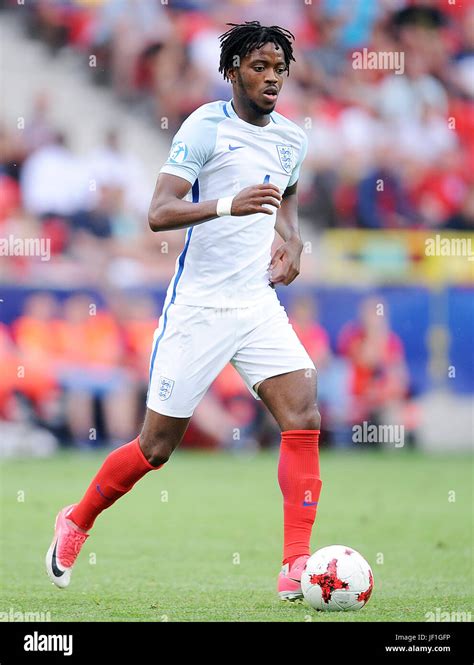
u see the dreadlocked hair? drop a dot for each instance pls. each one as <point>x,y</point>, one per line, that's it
<point>242,38</point>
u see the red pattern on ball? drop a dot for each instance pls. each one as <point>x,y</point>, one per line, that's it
<point>365,595</point>
<point>329,581</point>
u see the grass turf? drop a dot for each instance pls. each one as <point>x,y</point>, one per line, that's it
<point>200,540</point>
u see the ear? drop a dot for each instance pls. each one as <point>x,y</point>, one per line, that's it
<point>230,73</point>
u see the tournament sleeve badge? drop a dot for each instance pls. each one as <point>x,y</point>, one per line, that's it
<point>178,153</point>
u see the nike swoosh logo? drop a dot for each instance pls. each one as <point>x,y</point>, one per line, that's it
<point>102,494</point>
<point>310,503</point>
<point>235,147</point>
<point>56,571</point>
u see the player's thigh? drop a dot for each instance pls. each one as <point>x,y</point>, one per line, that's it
<point>190,348</point>
<point>277,369</point>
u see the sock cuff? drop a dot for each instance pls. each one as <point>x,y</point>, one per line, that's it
<point>147,464</point>
<point>300,436</point>
<point>301,431</point>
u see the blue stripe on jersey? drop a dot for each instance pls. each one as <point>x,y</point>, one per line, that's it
<point>196,192</point>
<point>181,260</point>
<point>225,110</point>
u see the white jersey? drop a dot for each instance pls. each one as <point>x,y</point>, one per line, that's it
<point>225,261</point>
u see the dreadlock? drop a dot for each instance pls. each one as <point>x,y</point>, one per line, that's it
<point>243,38</point>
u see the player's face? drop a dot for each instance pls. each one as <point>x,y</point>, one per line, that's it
<point>260,77</point>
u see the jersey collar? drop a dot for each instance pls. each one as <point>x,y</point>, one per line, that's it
<point>230,113</point>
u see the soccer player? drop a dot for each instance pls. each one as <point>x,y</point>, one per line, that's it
<point>230,180</point>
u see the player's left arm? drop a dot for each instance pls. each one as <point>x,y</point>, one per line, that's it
<point>285,263</point>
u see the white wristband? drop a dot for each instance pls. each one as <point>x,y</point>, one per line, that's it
<point>224,206</point>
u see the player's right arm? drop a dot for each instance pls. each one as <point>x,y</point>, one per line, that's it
<point>168,210</point>
<point>193,146</point>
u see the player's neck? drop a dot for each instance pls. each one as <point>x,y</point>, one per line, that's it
<point>248,114</point>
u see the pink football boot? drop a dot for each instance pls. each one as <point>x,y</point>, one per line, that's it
<point>289,579</point>
<point>67,542</point>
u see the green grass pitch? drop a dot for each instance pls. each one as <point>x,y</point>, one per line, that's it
<point>200,540</point>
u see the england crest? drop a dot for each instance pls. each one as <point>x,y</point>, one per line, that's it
<point>166,388</point>
<point>287,157</point>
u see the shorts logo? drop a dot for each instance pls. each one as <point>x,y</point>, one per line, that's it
<point>166,388</point>
<point>287,157</point>
<point>179,152</point>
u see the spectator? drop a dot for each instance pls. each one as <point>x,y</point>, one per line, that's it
<point>10,196</point>
<point>333,380</point>
<point>90,348</point>
<point>34,333</point>
<point>356,20</point>
<point>463,62</point>
<point>8,375</point>
<point>402,99</point>
<point>127,27</point>
<point>379,378</point>
<point>54,180</point>
<point>118,172</point>
<point>463,220</point>
<point>381,200</point>
<point>138,327</point>
<point>303,317</point>
<point>39,130</point>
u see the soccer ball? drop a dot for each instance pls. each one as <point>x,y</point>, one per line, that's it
<point>337,578</point>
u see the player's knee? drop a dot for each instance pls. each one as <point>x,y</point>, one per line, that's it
<point>306,418</point>
<point>156,447</point>
<point>158,454</point>
<point>314,419</point>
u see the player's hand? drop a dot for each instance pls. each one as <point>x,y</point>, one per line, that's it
<point>285,263</point>
<point>255,199</point>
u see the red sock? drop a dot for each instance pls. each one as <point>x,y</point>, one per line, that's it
<point>117,475</point>
<point>300,484</point>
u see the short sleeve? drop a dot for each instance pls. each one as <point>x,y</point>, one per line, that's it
<point>192,147</point>
<point>295,174</point>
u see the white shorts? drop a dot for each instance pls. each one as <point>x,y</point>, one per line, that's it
<point>193,344</point>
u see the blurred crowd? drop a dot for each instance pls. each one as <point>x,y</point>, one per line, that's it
<point>90,209</point>
<point>80,372</point>
<point>386,150</point>
<point>413,128</point>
